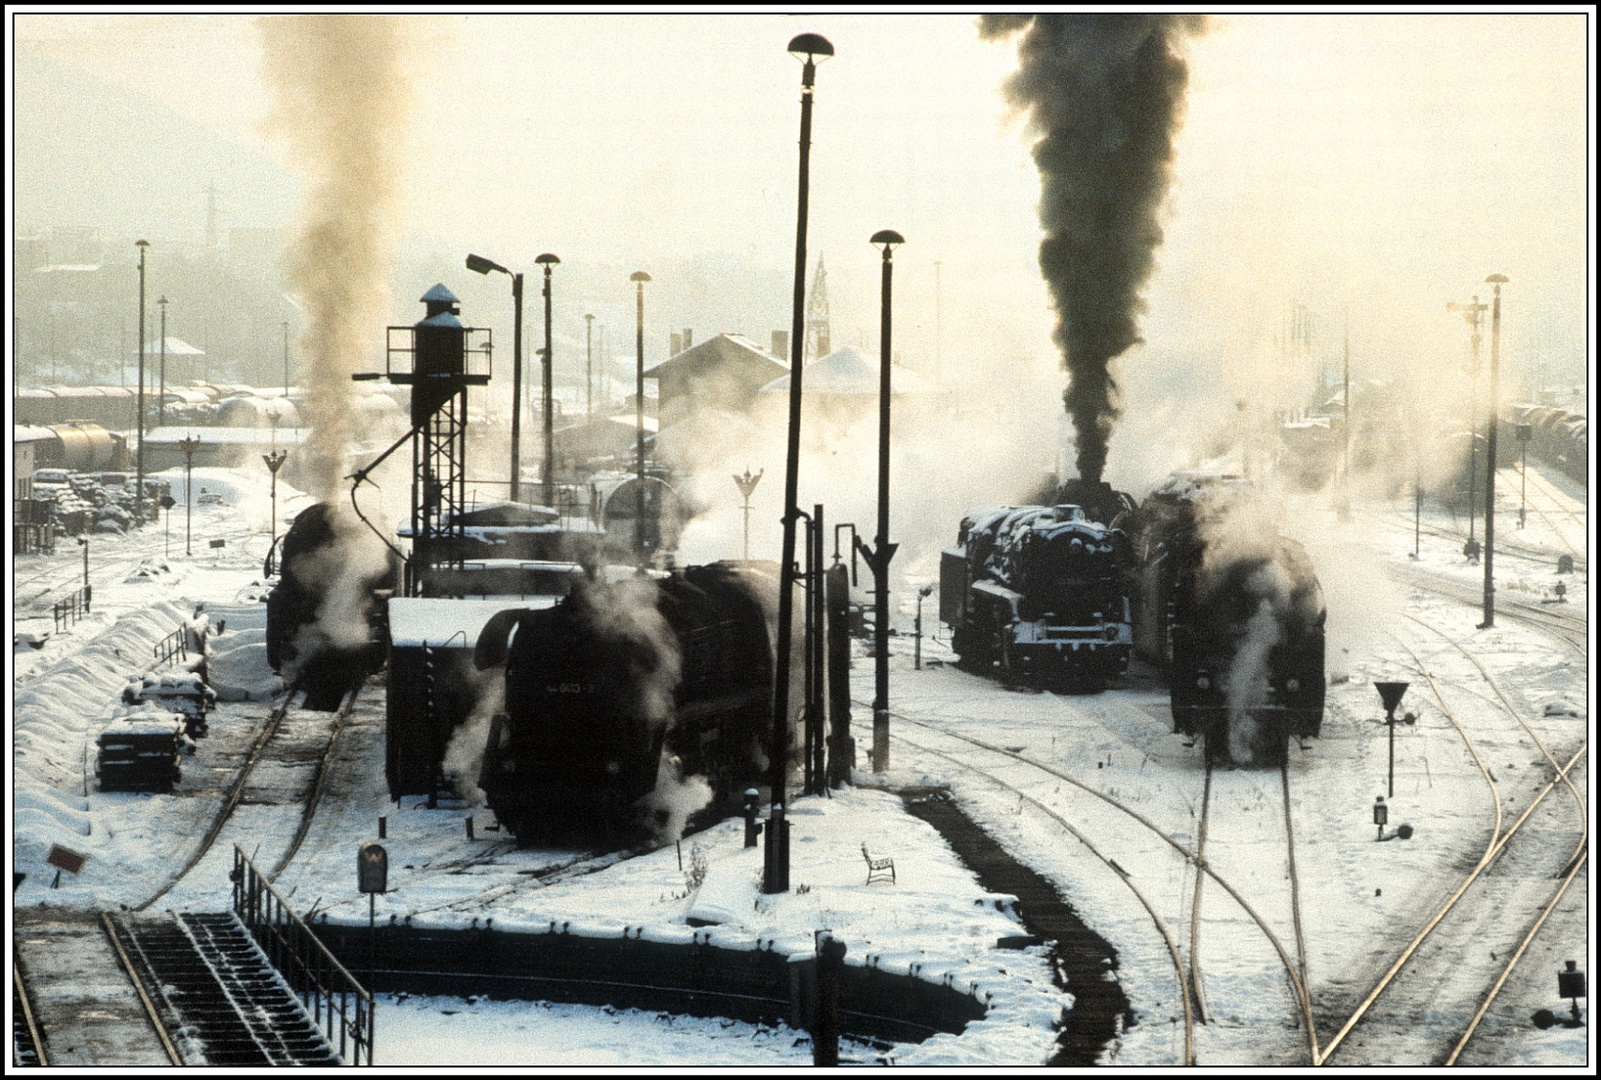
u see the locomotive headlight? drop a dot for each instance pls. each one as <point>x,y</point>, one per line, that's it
<point>612,768</point>
<point>1110,632</point>
<point>1292,685</point>
<point>1204,683</point>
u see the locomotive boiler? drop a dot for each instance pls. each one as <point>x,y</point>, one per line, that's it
<point>1040,590</point>
<point>322,633</point>
<point>619,685</point>
<point>1234,613</point>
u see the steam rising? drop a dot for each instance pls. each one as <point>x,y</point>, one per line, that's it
<point>1106,94</point>
<point>342,103</point>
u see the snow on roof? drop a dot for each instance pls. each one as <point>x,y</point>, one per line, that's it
<point>415,621</point>
<point>28,433</point>
<point>846,372</point>
<point>216,436</point>
<point>175,347</point>
<point>722,349</point>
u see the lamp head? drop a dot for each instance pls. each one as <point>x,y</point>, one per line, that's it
<point>141,243</point>
<point>480,265</point>
<point>639,275</point>
<point>1497,279</point>
<point>889,238</point>
<point>547,260</point>
<point>810,46</point>
<point>162,301</point>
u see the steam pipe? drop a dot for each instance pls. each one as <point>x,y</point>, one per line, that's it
<point>547,261</point>
<point>639,277</point>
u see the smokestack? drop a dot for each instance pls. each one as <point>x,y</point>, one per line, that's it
<point>1105,94</point>
<point>781,343</point>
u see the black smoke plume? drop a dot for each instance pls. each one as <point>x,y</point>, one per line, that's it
<point>1105,93</point>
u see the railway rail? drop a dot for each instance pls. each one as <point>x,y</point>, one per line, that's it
<point>253,757</point>
<point>1188,976</point>
<point>1571,630</point>
<point>1499,838</point>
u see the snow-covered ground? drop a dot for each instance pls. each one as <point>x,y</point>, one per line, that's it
<point>1361,901</point>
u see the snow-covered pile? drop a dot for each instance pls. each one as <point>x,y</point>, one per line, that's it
<point>56,719</point>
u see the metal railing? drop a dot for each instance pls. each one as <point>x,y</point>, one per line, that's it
<point>173,645</point>
<point>70,610</point>
<point>333,997</point>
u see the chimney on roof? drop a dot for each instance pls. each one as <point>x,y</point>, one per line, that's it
<point>688,337</point>
<point>781,344</point>
<point>675,343</point>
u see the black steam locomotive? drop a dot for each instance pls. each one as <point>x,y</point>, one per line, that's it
<point>1041,590</point>
<point>324,629</point>
<point>614,681</point>
<point>1235,615</point>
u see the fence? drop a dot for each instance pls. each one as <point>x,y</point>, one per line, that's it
<point>333,997</point>
<point>173,645</point>
<point>68,611</point>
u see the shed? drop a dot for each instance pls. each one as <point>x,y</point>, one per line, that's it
<point>726,371</point>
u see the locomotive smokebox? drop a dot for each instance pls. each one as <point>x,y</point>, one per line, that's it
<point>441,354</point>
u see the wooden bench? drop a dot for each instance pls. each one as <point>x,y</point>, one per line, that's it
<point>877,869</point>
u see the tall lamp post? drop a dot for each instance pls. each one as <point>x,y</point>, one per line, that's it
<point>480,265</point>
<point>548,260</point>
<point>161,398</point>
<point>1525,433</point>
<point>589,369</point>
<point>776,876</point>
<point>639,277</point>
<point>189,445</point>
<point>1489,451</point>
<point>883,551</point>
<point>286,359</point>
<point>1474,314</point>
<point>139,484</point>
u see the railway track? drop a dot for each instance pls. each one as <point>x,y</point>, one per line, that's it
<point>1571,630</point>
<point>1428,978</point>
<point>1188,975</point>
<point>257,754</point>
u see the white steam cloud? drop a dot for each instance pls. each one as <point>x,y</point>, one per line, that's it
<point>342,103</point>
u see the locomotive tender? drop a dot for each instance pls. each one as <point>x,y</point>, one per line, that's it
<point>1040,589</point>
<point>1235,615</point>
<point>606,688</point>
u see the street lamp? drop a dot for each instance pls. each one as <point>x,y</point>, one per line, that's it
<point>189,445</point>
<point>1525,432</point>
<point>548,260</point>
<point>747,487</point>
<point>274,461</point>
<point>480,265</point>
<point>589,369</point>
<point>161,398</point>
<point>775,877</point>
<point>139,484</point>
<point>639,277</point>
<point>1474,314</point>
<point>883,551</point>
<point>1489,478</point>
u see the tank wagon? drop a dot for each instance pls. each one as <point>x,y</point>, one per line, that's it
<point>615,681</point>
<point>1234,614</point>
<point>1040,590</point>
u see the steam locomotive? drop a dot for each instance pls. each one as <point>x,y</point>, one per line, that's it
<point>322,633</point>
<point>606,688</point>
<point>1041,590</point>
<point>1235,615</point>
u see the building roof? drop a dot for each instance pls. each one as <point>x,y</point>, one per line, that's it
<point>218,436</point>
<point>715,352</point>
<point>175,347</point>
<point>25,433</point>
<point>846,372</point>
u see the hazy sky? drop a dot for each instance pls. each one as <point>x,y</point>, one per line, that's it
<point>1382,164</point>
